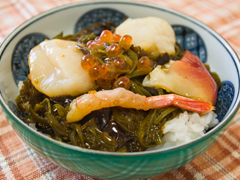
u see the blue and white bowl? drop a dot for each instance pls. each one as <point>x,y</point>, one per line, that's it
<point>191,34</point>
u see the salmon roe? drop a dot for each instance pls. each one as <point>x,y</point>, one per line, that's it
<point>144,63</point>
<point>114,50</point>
<point>125,42</point>
<point>120,64</point>
<point>94,71</point>
<point>106,36</point>
<point>116,38</point>
<point>103,83</point>
<point>88,61</point>
<point>123,82</point>
<point>107,71</point>
<point>94,43</point>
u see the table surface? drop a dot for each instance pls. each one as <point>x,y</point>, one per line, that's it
<point>220,161</point>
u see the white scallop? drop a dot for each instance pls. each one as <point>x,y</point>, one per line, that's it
<point>153,34</point>
<point>55,69</point>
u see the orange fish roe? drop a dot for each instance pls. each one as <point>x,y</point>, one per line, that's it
<point>144,63</point>
<point>88,61</point>
<point>94,71</point>
<point>112,66</point>
<point>125,42</point>
<point>123,82</point>
<point>114,50</point>
<point>94,43</point>
<point>107,71</point>
<point>116,38</point>
<point>103,83</point>
<point>106,36</point>
<point>120,64</point>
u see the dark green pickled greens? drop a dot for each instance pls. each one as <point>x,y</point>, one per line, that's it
<point>112,129</point>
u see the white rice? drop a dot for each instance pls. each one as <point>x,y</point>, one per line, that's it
<point>186,127</point>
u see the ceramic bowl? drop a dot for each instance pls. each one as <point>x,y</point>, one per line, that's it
<point>191,34</point>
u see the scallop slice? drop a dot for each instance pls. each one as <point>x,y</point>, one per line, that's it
<point>153,34</point>
<point>55,69</point>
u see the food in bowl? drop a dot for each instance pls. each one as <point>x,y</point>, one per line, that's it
<point>103,92</point>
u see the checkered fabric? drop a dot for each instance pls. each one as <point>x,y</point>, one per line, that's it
<point>220,161</point>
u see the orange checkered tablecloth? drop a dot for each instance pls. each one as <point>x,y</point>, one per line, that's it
<point>220,161</point>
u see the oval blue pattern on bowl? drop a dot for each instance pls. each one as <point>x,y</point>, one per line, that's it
<point>190,40</point>
<point>20,68</point>
<point>99,15</point>
<point>224,99</point>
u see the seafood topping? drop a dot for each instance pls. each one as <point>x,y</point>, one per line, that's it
<point>55,69</point>
<point>153,34</point>
<point>187,77</point>
<point>92,101</point>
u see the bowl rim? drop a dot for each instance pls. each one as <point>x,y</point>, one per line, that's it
<point>227,46</point>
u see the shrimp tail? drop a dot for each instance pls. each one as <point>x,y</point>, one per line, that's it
<point>179,101</point>
<point>193,105</point>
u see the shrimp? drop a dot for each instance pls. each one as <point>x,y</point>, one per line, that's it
<point>94,100</point>
<point>153,34</point>
<point>55,69</point>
